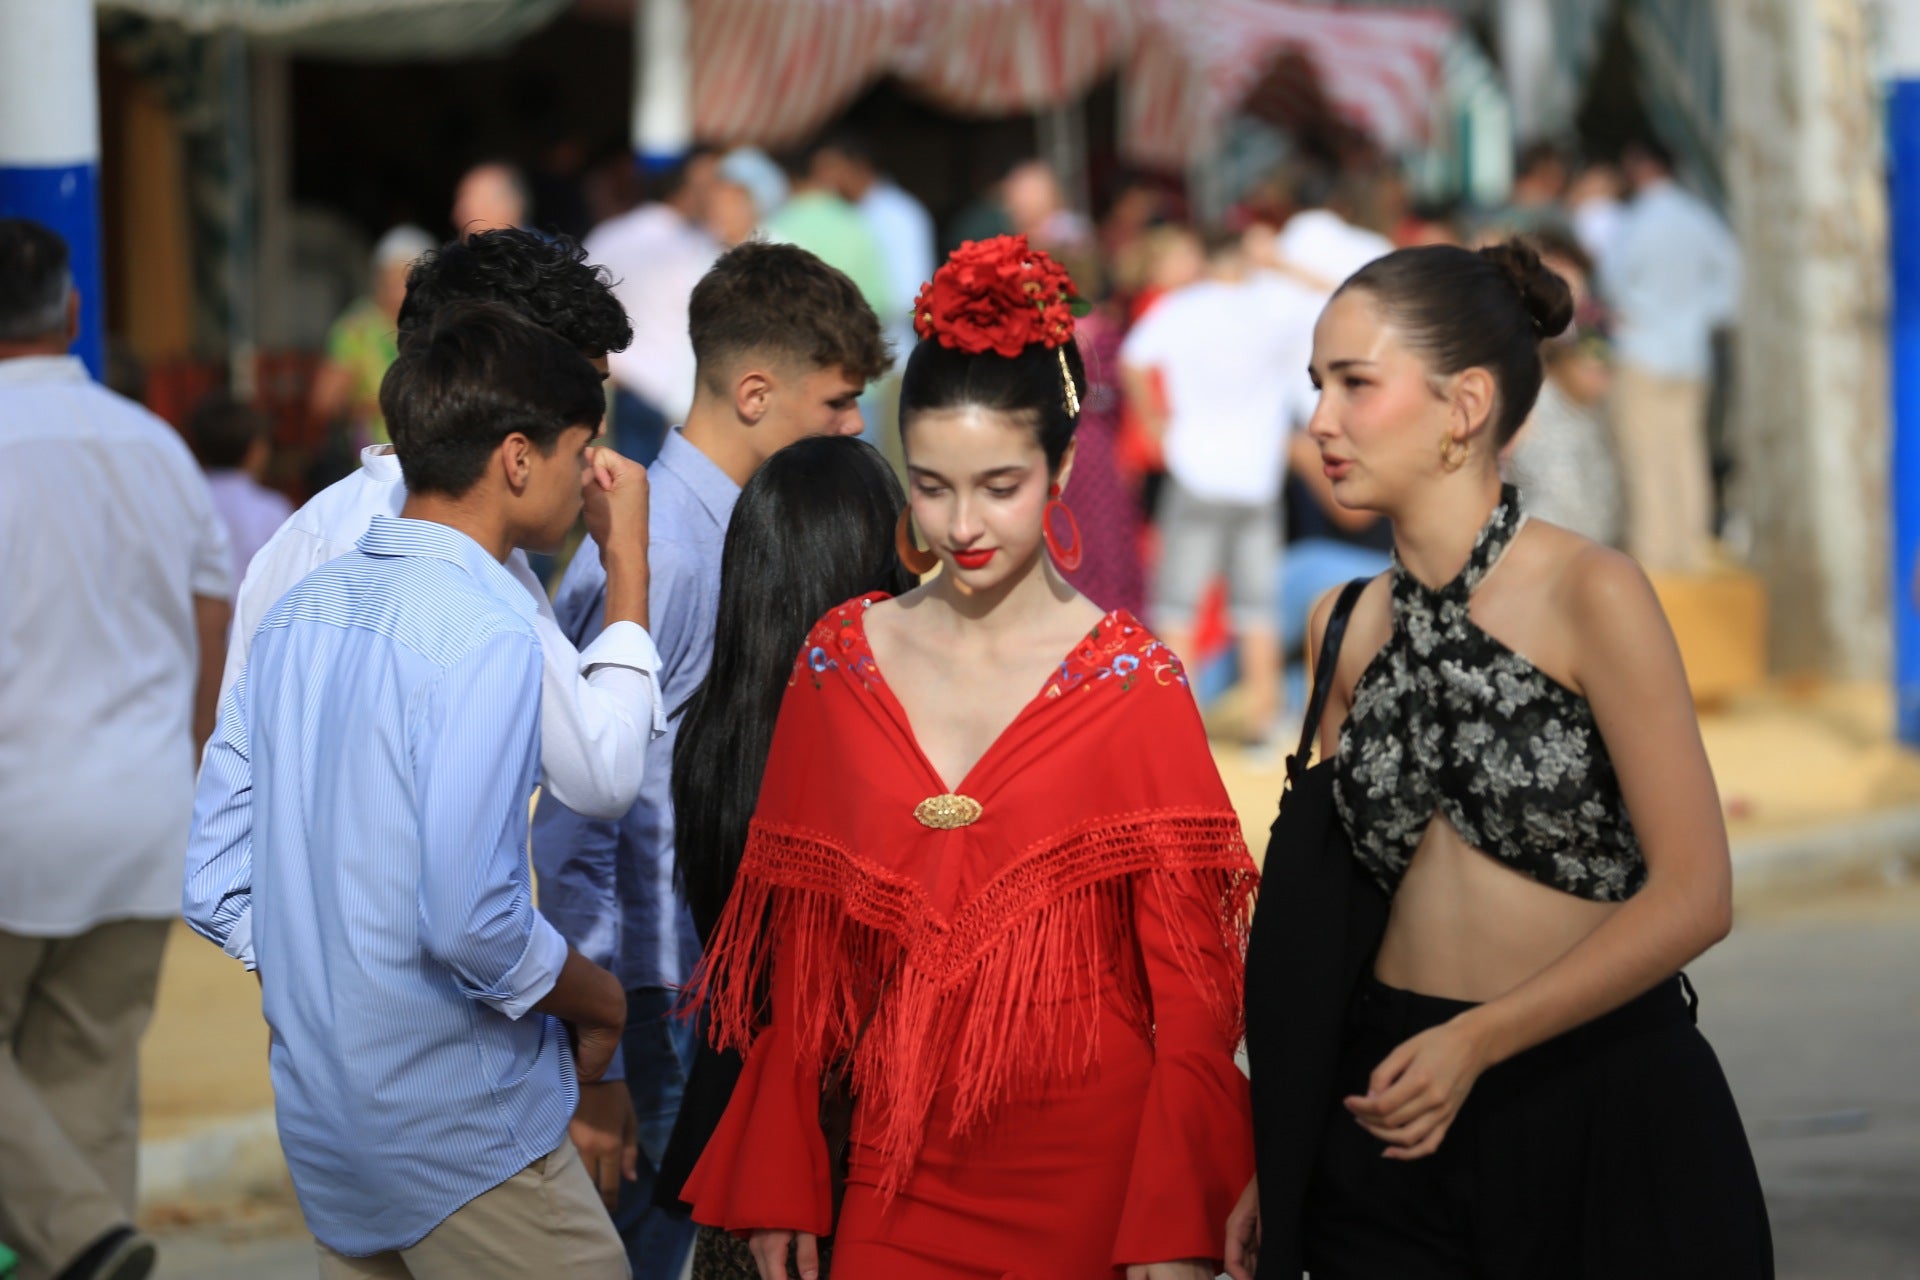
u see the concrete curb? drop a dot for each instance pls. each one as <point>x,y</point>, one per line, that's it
<point>223,1160</point>
<point>1883,844</point>
<point>239,1157</point>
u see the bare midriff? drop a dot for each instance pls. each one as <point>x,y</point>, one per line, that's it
<point>1465,926</point>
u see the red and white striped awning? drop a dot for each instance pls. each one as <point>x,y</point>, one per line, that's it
<point>772,72</point>
<point>1197,60</point>
<point>998,57</point>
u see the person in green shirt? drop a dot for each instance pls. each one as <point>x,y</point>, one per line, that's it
<point>819,219</point>
<point>362,343</point>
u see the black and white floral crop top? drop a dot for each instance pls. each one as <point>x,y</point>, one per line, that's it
<point>1448,720</point>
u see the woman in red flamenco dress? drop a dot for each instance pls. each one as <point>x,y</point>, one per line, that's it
<point>993,872</point>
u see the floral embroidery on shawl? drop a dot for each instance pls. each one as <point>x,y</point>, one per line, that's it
<point>998,990</point>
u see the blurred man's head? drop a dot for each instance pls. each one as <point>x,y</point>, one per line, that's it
<point>1645,161</point>
<point>784,345</point>
<point>749,188</point>
<point>685,184</point>
<point>39,308</point>
<point>547,279</point>
<point>1226,253</point>
<point>229,435</point>
<point>844,163</point>
<point>1539,174</point>
<point>1032,195</point>
<point>489,197</point>
<point>393,260</point>
<point>489,408</point>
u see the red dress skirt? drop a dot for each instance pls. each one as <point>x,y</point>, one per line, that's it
<point>1041,1003</point>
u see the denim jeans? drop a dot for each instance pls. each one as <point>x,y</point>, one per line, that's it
<point>1310,568</point>
<point>658,1049</point>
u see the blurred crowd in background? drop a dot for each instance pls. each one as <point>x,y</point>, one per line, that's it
<point>1196,481</point>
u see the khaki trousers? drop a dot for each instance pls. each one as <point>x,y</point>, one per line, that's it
<point>1660,432</point>
<point>72,1011</point>
<point>546,1220</point>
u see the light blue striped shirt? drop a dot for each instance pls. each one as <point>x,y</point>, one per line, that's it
<point>360,837</point>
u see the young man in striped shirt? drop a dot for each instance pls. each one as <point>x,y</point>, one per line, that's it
<point>361,825</point>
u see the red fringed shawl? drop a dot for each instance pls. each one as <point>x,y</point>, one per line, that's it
<point>980,949</point>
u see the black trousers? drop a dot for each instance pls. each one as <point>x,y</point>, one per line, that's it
<point>1611,1152</point>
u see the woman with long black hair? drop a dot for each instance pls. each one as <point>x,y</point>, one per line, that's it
<point>812,528</point>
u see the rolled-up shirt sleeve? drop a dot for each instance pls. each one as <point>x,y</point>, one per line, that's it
<point>471,745</point>
<point>217,899</point>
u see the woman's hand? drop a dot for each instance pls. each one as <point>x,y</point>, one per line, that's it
<point>1418,1089</point>
<point>1188,1270</point>
<point>769,1249</point>
<point>1243,1234</point>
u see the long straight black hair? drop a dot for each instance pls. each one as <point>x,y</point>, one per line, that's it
<point>812,529</point>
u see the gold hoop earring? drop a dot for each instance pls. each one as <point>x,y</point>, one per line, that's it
<point>1453,454</point>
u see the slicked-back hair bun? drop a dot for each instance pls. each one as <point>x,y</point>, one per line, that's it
<point>1545,295</point>
<point>1462,309</point>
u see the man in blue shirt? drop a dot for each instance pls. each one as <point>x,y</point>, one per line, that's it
<point>1672,276</point>
<point>783,345</point>
<point>360,831</point>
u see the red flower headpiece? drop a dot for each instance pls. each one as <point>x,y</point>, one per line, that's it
<point>1003,296</point>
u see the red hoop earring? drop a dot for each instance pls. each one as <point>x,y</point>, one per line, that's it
<point>1068,556</point>
<point>919,563</point>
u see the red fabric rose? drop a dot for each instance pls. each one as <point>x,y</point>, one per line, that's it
<point>997,295</point>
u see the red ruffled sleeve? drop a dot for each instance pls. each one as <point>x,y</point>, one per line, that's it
<point>1194,1155</point>
<point>765,1167</point>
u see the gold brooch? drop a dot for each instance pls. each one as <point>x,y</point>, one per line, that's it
<point>945,813</point>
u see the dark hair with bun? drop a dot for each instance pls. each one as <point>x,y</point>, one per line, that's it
<point>1028,386</point>
<point>1463,309</point>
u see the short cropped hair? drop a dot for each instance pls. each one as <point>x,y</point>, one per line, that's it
<point>222,429</point>
<point>476,374</point>
<point>545,278</point>
<point>779,301</point>
<point>35,281</point>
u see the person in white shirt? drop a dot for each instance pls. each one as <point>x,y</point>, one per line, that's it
<point>1228,353</point>
<point>1672,276</point>
<point>656,253</point>
<point>109,650</point>
<point>599,707</point>
<point>1320,243</point>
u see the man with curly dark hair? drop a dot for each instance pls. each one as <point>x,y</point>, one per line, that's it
<point>547,279</point>
<point>783,345</point>
<point>600,707</point>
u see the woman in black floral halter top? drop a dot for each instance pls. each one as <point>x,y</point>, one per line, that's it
<point>1509,746</point>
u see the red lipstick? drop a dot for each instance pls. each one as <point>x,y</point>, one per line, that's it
<point>974,559</point>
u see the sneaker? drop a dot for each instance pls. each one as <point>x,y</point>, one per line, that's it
<point>121,1254</point>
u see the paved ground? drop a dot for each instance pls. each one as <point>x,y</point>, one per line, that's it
<point>1814,1007</point>
<point>1813,1004</point>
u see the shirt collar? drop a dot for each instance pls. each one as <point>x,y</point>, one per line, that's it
<point>399,536</point>
<point>23,370</point>
<point>381,463</point>
<point>713,487</point>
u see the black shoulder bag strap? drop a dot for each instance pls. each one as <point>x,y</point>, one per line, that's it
<point>1323,677</point>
